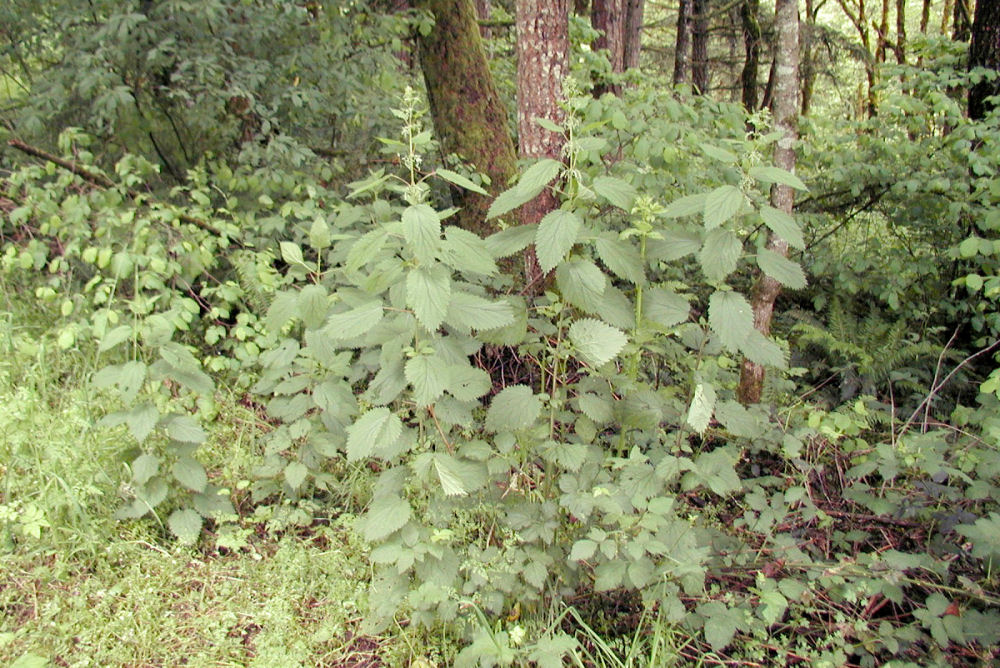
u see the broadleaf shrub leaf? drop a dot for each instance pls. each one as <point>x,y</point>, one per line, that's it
<point>515,407</point>
<point>422,230</point>
<point>720,253</point>
<point>555,236</point>
<point>722,204</point>
<point>787,272</point>
<point>356,322</point>
<point>595,342</point>
<point>428,293</point>
<point>582,284</point>
<point>618,192</point>
<point>783,225</point>
<point>730,317</point>
<point>186,525</point>
<point>376,427</point>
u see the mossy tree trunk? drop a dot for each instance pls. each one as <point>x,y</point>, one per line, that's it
<point>751,39</point>
<point>469,117</point>
<point>985,52</point>
<point>785,109</point>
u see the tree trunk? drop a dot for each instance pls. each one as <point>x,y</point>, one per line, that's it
<point>962,21</point>
<point>751,40</point>
<point>984,52</point>
<point>608,17</point>
<point>484,10</point>
<point>883,34</point>
<point>925,16</point>
<point>542,63</point>
<point>633,33</point>
<point>786,88</point>
<point>682,46</point>
<point>808,69</point>
<point>946,13</point>
<point>469,117</point>
<point>901,32</point>
<point>699,47</point>
<point>581,7</point>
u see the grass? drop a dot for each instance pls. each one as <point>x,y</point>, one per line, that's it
<point>79,589</point>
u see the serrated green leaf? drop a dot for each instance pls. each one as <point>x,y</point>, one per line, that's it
<point>531,183</point>
<point>422,230</point>
<point>465,251</point>
<point>674,245</point>
<point>622,258</point>
<point>282,309</point>
<point>376,427</point>
<point>783,225</point>
<point>702,406</point>
<point>583,550</point>
<point>467,312</point>
<point>515,407</point>
<point>761,350</point>
<point>595,342</point>
<point>141,421</point>
<point>556,234</point>
<point>185,429</point>
<point>787,272</point>
<point>717,153</point>
<point>319,234</point>
<point>688,205</point>
<point>510,241</point>
<point>295,474</point>
<point>131,376</point>
<point>736,419</point>
<point>721,627</point>
<point>190,473</point>
<point>722,204</point>
<point>387,514</point>
<point>550,652</point>
<point>144,467</point>
<point>665,307</point>
<point>186,525</point>
<point>730,317</point>
<point>610,575</point>
<point>548,125</point>
<point>582,284</point>
<point>720,253</point>
<point>459,180</point>
<point>365,249</point>
<point>468,383</point>
<point>312,305</point>
<point>428,293</point>
<point>616,308</point>
<point>291,253</point>
<point>114,337</point>
<point>354,323</point>
<point>599,409</point>
<point>429,375</point>
<point>771,174</point>
<point>620,193</point>
<point>449,474</point>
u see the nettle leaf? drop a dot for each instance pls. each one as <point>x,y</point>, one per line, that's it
<point>185,429</point>
<point>354,323</point>
<point>471,312</point>
<point>730,317</point>
<point>717,153</point>
<point>783,225</point>
<point>761,350</point>
<point>722,204</point>
<point>721,624</point>
<point>582,284</point>
<point>283,308</point>
<point>365,249</point>
<point>376,427</point>
<point>702,406</point>
<point>468,383</point>
<point>459,180</point>
<point>622,258</point>
<point>610,575</point>
<point>787,272</point>
<point>665,307</point>
<point>115,336</point>
<point>557,232</point>
<point>674,245</point>
<point>620,193</point>
<point>429,375</point>
<point>510,241</point>
<point>186,525</point>
<point>144,467</point>
<point>515,407</point>
<point>312,305</point>
<point>141,421</point>
<point>386,514</point>
<point>422,230</point>
<point>686,206</point>
<point>291,253</point>
<point>449,472</point>
<point>531,183</point>
<point>428,293</point>
<point>595,342</point>
<point>295,474</point>
<point>771,174</point>
<point>190,473</point>
<point>465,251</point>
<point>737,419</point>
<point>720,253</point>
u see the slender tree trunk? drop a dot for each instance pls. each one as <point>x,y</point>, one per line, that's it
<point>882,38</point>
<point>751,40</point>
<point>901,32</point>
<point>469,117</point>
<point>542,63</point>
<point>782,197</point>
<point>633,33</point>
<point>699,47</point>
<point>947,11</point>
<point>808,69</point>
<point>962,21</point>
<point>484,10</point>
<point>608,18</point>
<point>682,46</point>
<point>581,7</point>
<point>925,16</point>
<point>985,52</point>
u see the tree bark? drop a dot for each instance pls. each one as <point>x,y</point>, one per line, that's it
<point>484,9</point>
<point>633,33</point>
<point>925,16</point>
<point>469,117</point>
<point>608,17</point>
<point>962,21</point>
<point>751,65</point>
<point>699,47</point>
<point>682,46</point>
<point>901,32</point>
<point>984,52</point>
<point>542,64</point>
<point>947,11</point>
<point>786,88</point>
<point>808,69</point>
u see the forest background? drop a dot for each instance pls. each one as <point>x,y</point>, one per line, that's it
<point>622,333</point>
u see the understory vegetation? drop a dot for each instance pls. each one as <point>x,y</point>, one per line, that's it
<point>265,404</point>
